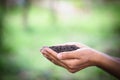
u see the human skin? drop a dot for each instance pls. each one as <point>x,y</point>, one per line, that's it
<point>82,58</point>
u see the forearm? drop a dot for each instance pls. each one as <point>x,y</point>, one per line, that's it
<point>109,64</point>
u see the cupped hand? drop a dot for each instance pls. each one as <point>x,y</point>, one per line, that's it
<point>73,61</point>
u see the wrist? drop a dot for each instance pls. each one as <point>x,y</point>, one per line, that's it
<point>97,57</point>
<point>101,59</point>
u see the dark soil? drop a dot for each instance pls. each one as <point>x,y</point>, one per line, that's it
<point>59,49</point>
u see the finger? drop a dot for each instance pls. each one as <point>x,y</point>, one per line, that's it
<point>52,59</point>
<point>57,61</point>
<point>52,54</point>
<point>50,51</point>
<point>42,49</point>
<point>72,63</point>
<point>68,55</point>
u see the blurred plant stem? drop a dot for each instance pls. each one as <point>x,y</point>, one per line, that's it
<point>25,14</point>
<point>2,15</point>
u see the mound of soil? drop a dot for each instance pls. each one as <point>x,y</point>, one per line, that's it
<point>65,48</point>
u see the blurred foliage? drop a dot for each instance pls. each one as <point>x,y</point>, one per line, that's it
<point>25,29</point>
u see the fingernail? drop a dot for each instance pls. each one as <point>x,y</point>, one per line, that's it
<point>59,56</point>
<point>43,52</point>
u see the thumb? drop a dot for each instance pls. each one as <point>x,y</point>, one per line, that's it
<point>67,55</point>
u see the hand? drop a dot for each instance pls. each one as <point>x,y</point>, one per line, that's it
<point>81,58</point>
<point>73,61</point>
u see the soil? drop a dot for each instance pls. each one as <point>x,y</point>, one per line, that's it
<point>65,48</point>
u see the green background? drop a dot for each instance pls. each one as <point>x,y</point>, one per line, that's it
<point>26,29</point>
